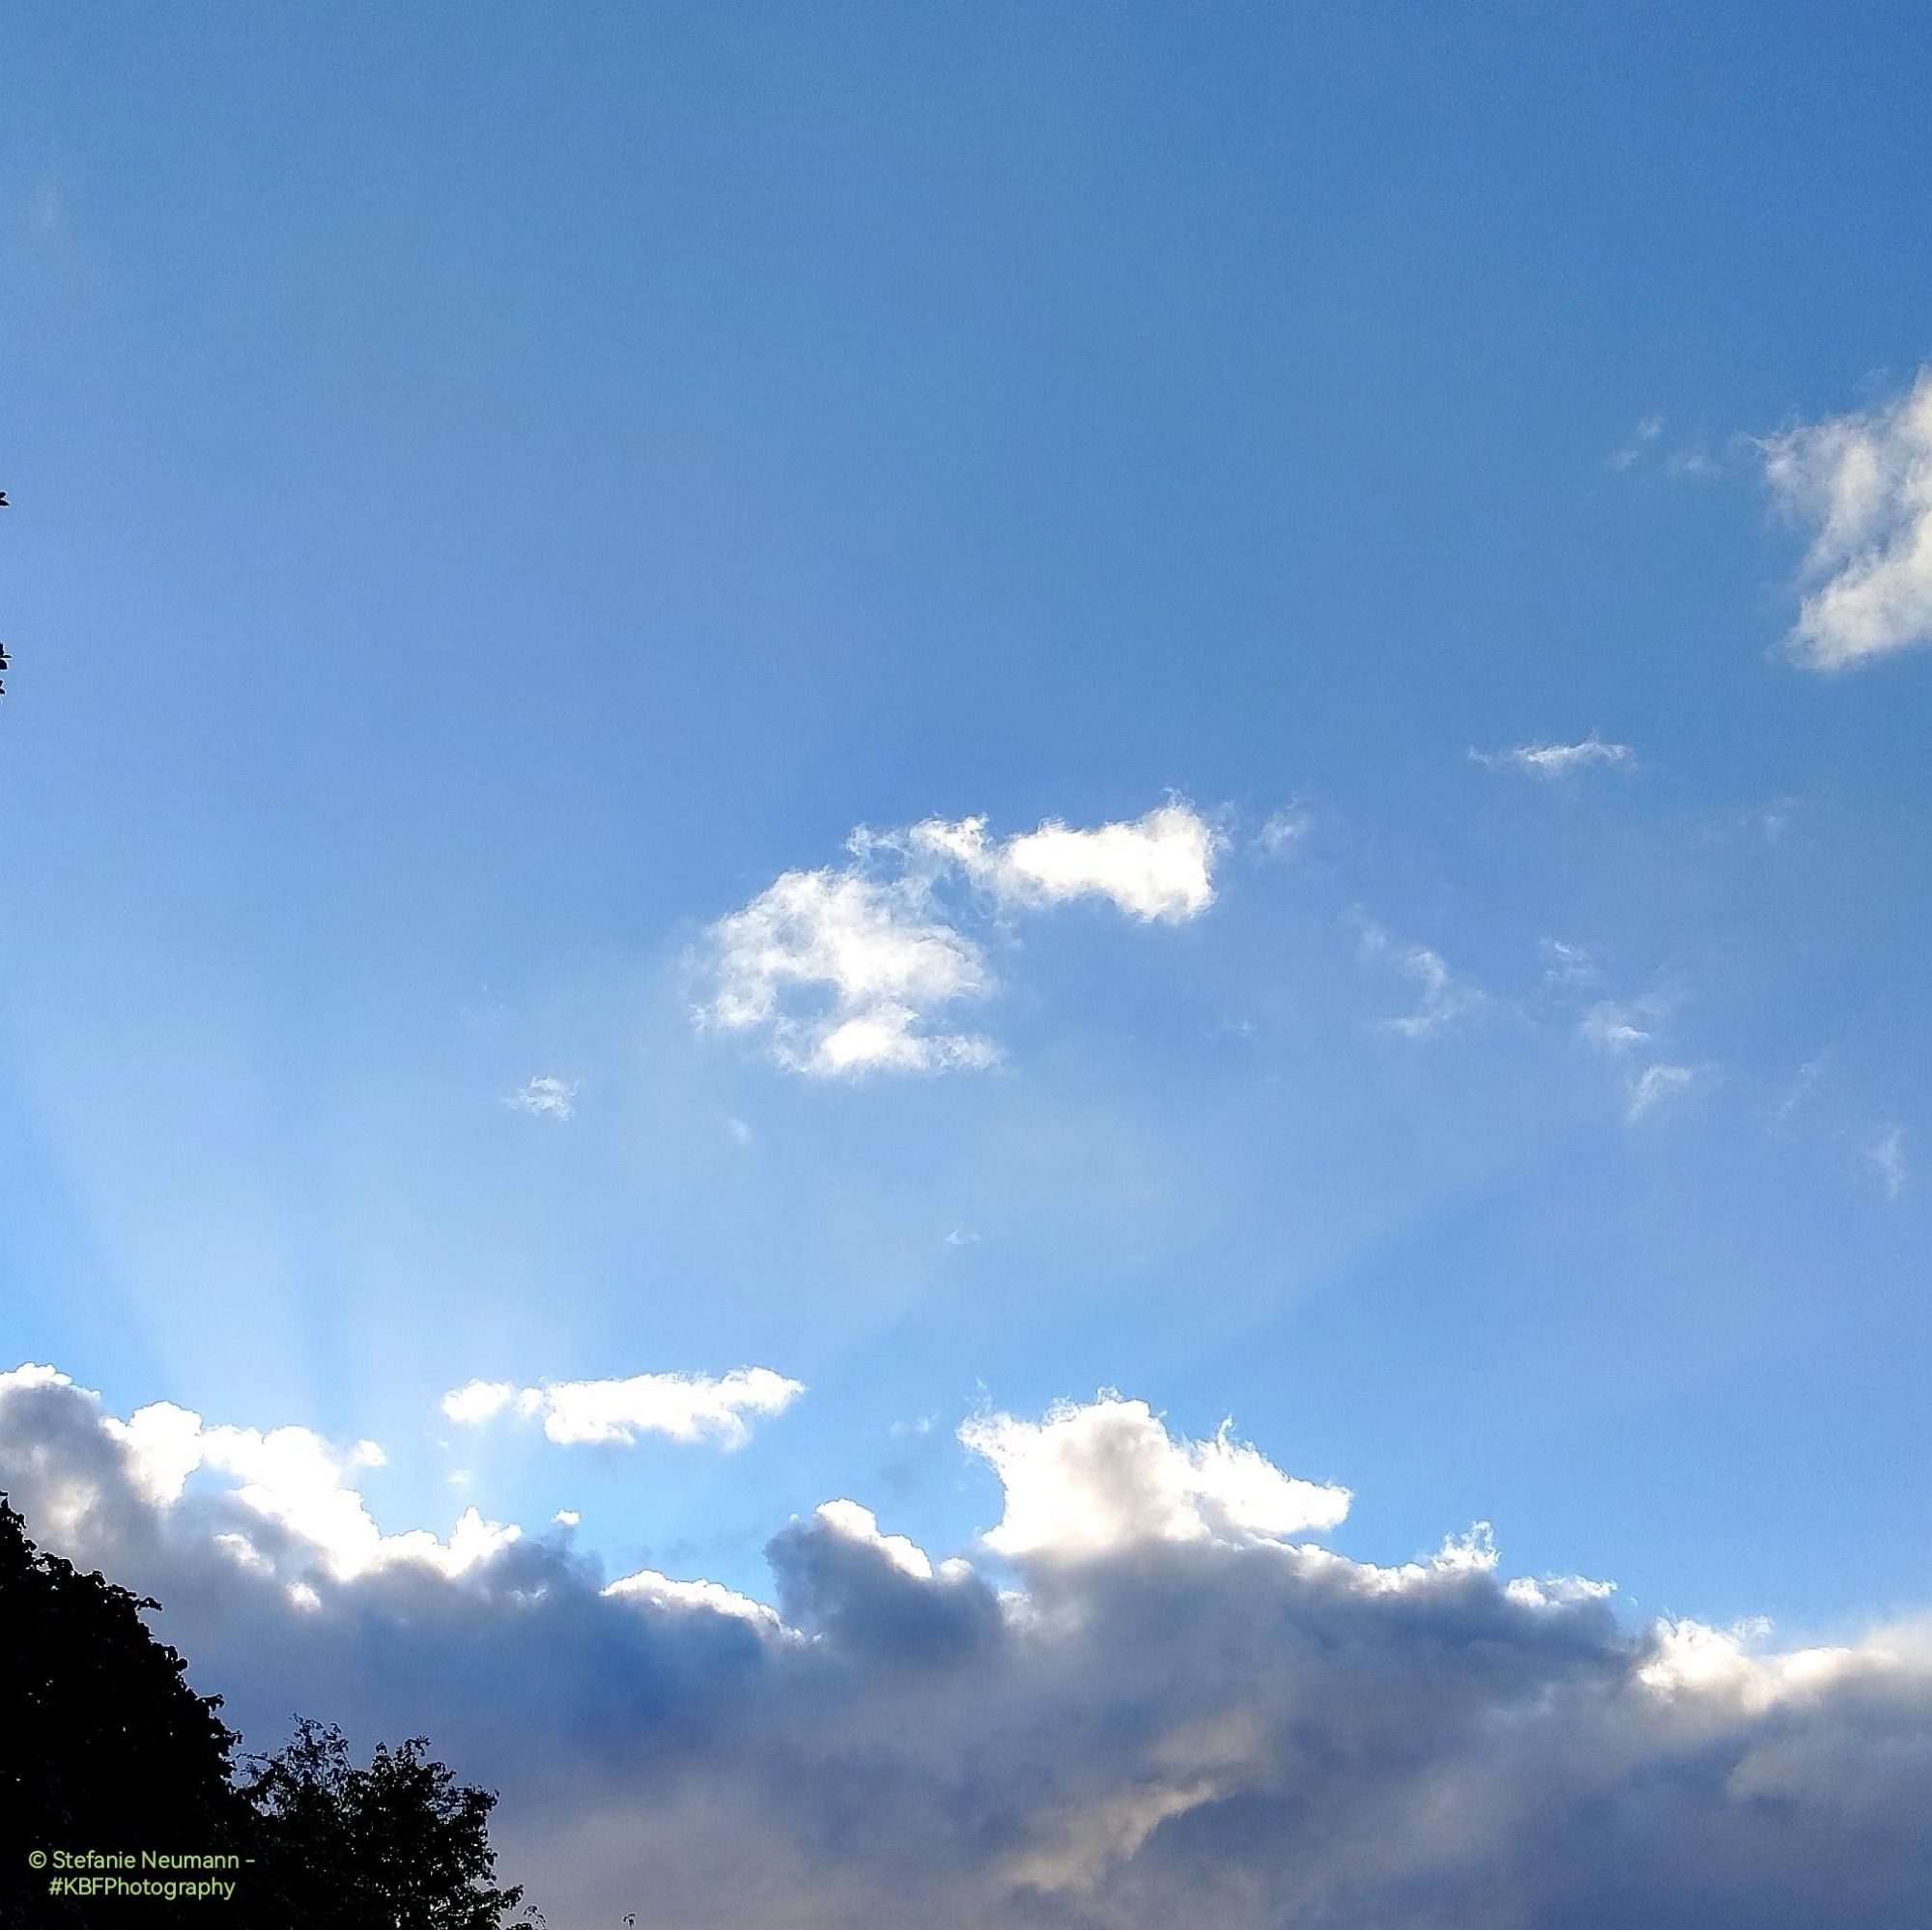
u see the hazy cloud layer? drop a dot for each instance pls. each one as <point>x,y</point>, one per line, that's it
<point>1861,484</point>
<point>1155,1709</point>
<point>858,968</point>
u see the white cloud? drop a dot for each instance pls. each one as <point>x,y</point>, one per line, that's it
<point>1627,1033</point>
<point>854,968</point>
<point>1862,484</point>
<point>545,1097</point>
<point>288,1478</point>
<point>1169,1713</point>
<point>1886,1155</point>
<point>1159,867</point>
<point>1443,997</point>
<point>1612,1027</point>
<point>682,1406</point>
<point>1284,830</point>
<point>1099,1477</point>
<point>1804,1084</point>
<point>1566,965</point>
<point>1656,1085</point>
<point>1641,437</point>
<point>477,1401</point>
<point>1556,761</point>
<point>883,960</point>
<point>651,1590</point>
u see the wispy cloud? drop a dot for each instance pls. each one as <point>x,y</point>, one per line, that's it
<point>681,1407</point>
<point>1655,1086</point>
<point>1804,1084</point>
<point>1444,998</point>
<point>855,968</point>
<point>1630,1035</point>
<point>1158,868</point>
<point>1641,437</point>
<point>1556,761</point>
<point>1862,484</point>
<point>1886,1155</point>
<point>544,1097</point>
<point>1566,965</point>
<point>1283,831</point>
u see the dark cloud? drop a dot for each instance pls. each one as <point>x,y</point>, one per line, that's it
<point>1181,1723</point>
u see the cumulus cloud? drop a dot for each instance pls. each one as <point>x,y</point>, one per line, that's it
<point>1161,866</point>
<point>856,968</point>
<point>1555,760</point>
<point>546,1097</point>
<point>288,1481</point>
<point>1861,484</point>
<point>1152,1703</point>
<point>1108,1475</point>
<point>614,1413</point>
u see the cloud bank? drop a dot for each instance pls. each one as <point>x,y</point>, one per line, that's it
<point>1144,1699</point>
<point>1862,484</point>
<point>856,968</point>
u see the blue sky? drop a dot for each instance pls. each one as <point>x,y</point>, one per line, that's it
<point>496,489</point>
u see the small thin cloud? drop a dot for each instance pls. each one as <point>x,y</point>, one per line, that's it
<point>1885,1156</point>
<point>1657,1085</point>
<point>47,207</point>
<point>1613,1029</point>
<point>1566,965</point>
<point>1283,831</point>
<point>1630,1033</point>
<point>1797,1094</point>
<point>1442,999</point>
<point>1640,439</point>
<point>1557,760</point>
<point>544,1097</point>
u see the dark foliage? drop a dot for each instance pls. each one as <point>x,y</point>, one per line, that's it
<point>101,1740</point>
<point>398,1843</point>
<point>104,1746</point>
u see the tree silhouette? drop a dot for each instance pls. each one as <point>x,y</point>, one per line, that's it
<point>399,1845</point>
<point>103,1743</point>
<point>104,1747</point>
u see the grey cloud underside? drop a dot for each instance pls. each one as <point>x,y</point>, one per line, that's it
<point>1171,1733</point>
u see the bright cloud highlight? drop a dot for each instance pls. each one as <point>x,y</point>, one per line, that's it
<point>615,1413</point>
<point>1862,484</point>
<point>856,968</point>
